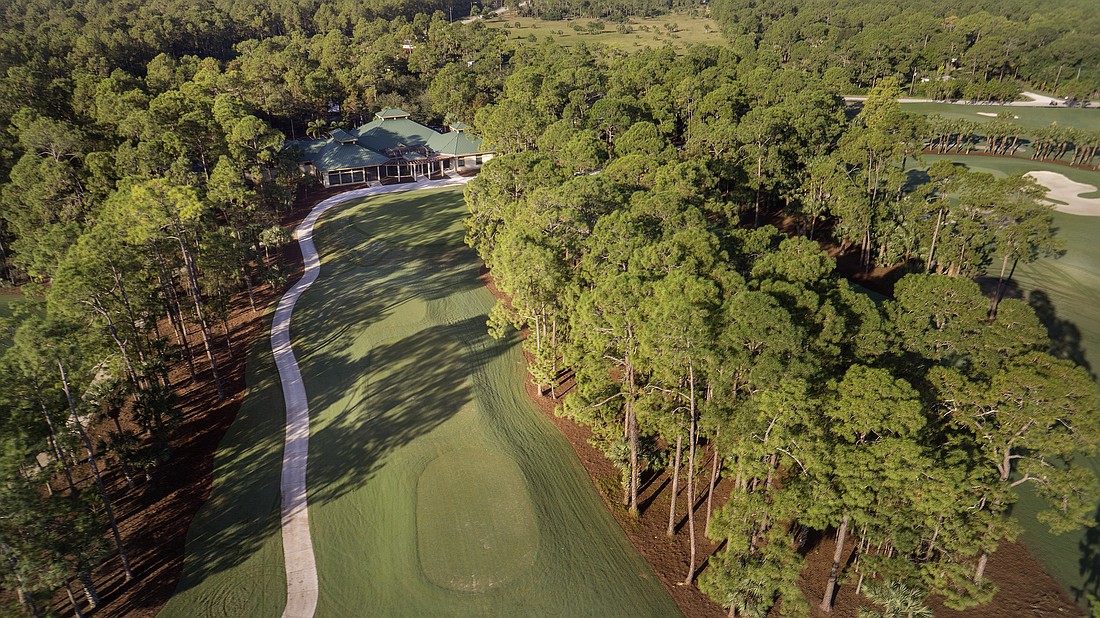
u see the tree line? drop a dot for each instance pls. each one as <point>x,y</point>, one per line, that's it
<point>961,49</point>
<point>626,225</point>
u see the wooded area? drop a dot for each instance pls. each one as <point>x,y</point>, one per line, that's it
<point>142,173</point>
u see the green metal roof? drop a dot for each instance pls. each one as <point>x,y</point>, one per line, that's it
<point>331,155</point>
<point>341,135</point>
<point>459,126</point>
<point>380,135</point>
<point>392,112</point>
<point>455,144</point>
<point>364,147</point>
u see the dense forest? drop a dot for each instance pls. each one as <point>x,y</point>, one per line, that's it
<point>969,49</point>
<point>142,174</point>
<point>669,316</point>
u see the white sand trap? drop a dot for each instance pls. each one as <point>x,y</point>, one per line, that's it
<point>994,114</point>
<point>1065,190</point>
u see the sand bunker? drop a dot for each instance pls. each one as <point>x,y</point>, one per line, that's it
<point>1065,190</point>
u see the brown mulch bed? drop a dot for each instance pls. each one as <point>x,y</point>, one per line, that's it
<point>154,518</point>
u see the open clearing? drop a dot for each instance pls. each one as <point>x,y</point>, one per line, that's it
<point>435,487</point>
<point>686,30</point>
<point>1086,118</point>
<point>1065,294</point>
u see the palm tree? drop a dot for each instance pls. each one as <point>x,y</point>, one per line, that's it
<point>899,601</point>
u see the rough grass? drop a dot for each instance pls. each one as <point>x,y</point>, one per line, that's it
<point>436,488</point>
<point>234,554</point>
<point>1066,294</point>
<point>1087,118</point>
<point>645,32</point>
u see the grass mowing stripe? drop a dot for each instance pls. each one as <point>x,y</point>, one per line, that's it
<point>418,412</point>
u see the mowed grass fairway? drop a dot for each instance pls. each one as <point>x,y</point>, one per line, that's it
<point>1066,295</point>
<point>1086,118</point>
<point>436,488</point>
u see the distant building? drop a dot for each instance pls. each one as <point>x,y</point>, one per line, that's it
<point>391,147</point>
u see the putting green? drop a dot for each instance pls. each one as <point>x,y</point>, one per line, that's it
<point>472,536</point>
<point>435,487</point>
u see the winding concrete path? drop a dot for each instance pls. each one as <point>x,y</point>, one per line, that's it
<point>301,568</point>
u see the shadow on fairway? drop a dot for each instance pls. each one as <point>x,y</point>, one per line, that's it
<point>242,512</point>
<point>401,391</point>
<point>1065,337</point>
<point>1090,563</point>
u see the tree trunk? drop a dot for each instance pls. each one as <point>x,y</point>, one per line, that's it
<point>172,308</point>
<point>73,601</point>
<point>675,486</point>
<point>90,591</point>
<point>713,481</point>
<point>95,472</point>
<point>61,458</point>
<point>193,284</point>
<point>980,572</point>
<point>999,292</point>
<point>693,437</point>
<point>935,236</point>
<point>632,438</point>
<point>830,586</point>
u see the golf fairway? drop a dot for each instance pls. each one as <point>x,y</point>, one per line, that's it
<point>435,487</point>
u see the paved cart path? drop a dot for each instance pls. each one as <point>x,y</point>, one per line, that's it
<point>301,567</point>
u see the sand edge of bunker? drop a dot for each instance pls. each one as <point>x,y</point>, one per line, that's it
<point>1068,193</point>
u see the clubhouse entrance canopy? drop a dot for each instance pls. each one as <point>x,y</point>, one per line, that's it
<point>391,147</point>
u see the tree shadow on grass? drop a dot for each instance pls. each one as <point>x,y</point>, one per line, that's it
<point>1090,563</point>
<point>374,262</point>
<point>243,509</point>
<point>387,398</point>
<point>1065,337</point>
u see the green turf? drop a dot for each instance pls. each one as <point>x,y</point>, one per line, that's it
<point>436,488</point>
<point>645,32</point>
<point>234,553</point>
<point>1066,295</point>
<point>1006,166</point>
<point>1087,118</point>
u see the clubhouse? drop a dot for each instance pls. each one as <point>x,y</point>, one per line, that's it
<point>391,148</point>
